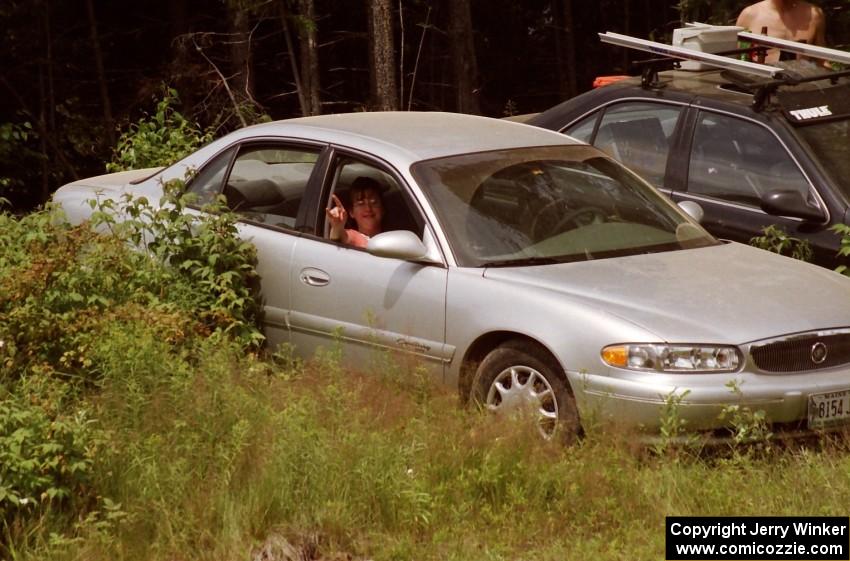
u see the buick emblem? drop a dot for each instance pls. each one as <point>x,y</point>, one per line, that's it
<point>819,352</point>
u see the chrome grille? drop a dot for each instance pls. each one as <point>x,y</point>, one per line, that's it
<point>799,353</point>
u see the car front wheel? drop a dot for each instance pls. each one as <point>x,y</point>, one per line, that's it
<point>519,378</point>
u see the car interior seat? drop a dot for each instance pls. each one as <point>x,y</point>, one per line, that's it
<point>397,215</point>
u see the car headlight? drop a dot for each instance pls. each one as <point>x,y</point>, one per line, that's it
<point>673,358</point>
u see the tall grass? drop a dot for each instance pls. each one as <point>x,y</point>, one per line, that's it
<point>214,459</point>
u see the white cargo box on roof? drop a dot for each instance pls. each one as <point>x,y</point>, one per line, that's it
<point>706,39</point>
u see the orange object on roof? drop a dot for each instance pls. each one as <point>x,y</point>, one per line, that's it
<point>606,80</point>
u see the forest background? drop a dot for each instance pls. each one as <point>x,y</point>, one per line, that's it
<point>75,73</point>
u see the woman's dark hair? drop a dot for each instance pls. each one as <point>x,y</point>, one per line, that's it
<point>363,184</point>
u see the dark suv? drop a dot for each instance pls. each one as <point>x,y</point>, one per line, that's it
<point>751,155</point>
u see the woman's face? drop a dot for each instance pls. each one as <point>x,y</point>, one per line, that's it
<point>368,211</point>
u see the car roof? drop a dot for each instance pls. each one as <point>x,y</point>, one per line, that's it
<point>410,134</point>
<point>682,86</point>
<point>707,83</point>
<point>713,86</point>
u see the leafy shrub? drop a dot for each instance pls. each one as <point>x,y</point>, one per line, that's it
<point>160,139</point>
<point>843,230</point>
<point>777,240</point>
<point>45,453</point>
<point>748,426</point>
<point>76,306</point>
<point>13,137</point>
<point>21,164</point>
<point>217,269</point>
<point>59,285</point>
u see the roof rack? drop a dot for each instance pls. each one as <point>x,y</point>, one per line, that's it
<point>798,47</point>
<point>774,76</point>
<point>683,53</point>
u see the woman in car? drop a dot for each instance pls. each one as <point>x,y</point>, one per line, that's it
<point>367,211</point>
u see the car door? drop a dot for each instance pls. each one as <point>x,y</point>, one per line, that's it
<point>640,134</point>
<point>733,162</point>
<point>369,304</point>
<point>268,183</point>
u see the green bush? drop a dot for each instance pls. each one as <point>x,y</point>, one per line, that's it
<point>45,452</point>
<point>60,285</point>
<point>776,240</point>
<point>843,230</point>
<point>215,268</point>
<point>21,165</point>
<point>83,311</point>
<point>160,139</point>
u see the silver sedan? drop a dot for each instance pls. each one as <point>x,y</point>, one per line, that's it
<point>527,270</point>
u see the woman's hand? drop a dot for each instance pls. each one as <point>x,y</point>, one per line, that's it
<point>337,216</point>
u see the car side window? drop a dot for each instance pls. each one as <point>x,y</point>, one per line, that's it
<point>583,130</point>
<point>639,135</point>
<point>740,161</point>
<point>399,211</point>
<point>207,183</point>
<point>266,183</point>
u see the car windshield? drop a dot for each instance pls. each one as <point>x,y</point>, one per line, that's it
<point>550,204</point>
<point>829,141</point>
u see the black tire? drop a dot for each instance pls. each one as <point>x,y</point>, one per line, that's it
<point>529,377</point>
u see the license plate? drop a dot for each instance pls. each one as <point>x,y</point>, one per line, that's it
<point>828,409</point>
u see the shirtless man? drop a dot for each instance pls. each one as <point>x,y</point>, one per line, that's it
<point>795,20</point>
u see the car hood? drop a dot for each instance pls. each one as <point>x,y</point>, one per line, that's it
<point>729,293</point>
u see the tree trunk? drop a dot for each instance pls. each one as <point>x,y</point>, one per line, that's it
<point>108,122</point>
<point>240,53</point>
<point>48,100</point>
<point>418,59</point>
<point>182,71</point>
<point>569,87</point>
<point>51,92</point>
<point>382,69</point>
<point>42,117</point>
<point>462,50</point>
<point>303,100</point>
<point>309,57</point>
<point>627,30</point>
<point>177,17</point>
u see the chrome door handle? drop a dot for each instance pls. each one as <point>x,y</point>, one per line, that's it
<point>314,277</point>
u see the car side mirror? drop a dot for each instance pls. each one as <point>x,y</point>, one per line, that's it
<point>398,244</point>
<point>791,204</point>
<point>693,210</point>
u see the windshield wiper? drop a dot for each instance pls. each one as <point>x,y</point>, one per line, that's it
<point>521,262</point>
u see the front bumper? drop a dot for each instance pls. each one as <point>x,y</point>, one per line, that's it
<point>643,400</point>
